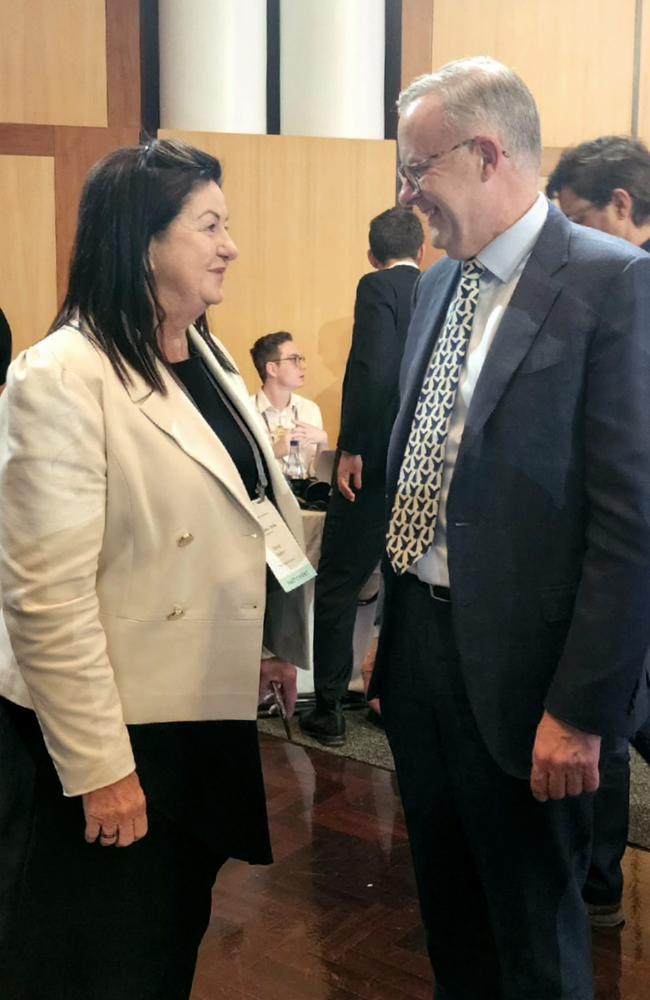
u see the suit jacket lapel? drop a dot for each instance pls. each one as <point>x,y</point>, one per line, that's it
<point>415,363</point>
<point>529,306</point>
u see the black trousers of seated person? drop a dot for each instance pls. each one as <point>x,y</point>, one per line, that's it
<point>82,922</point>
<point>499,874</point>
<point>352,546</point>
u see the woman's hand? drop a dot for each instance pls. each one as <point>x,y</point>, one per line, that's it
<point>117,813</point>
<point>284,673</point>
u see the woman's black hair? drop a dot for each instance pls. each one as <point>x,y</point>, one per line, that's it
<point>129,197</point>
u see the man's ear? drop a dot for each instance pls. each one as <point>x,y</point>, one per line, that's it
<point>490,153</point>
<point>622,202</point>
<point>267,368</point>
<point>419,255</point>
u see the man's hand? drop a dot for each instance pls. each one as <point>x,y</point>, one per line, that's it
<point>349,472</point>
<point>308,434</point>
<point>565,760</point>
<point>116,813</point>
<point>284,673</point>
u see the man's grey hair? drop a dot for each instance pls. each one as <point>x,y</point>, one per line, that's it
<point>480,94</point>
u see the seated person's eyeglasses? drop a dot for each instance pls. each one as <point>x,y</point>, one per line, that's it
<point>296,359</point>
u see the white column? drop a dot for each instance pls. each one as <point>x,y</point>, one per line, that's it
<point>213,65</point>
<point>332,68</point>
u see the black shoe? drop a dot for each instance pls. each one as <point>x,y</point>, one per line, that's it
<point>324,723</point>
<point>606,916</point>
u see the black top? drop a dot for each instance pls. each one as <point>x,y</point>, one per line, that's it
<point>207,776</point>
<point>5,347</point>
<point>207,399</point>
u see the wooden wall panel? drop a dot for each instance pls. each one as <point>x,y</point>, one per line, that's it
<point>417,38</point>
<point>644,81</point>
<point>123,62</point>
<point>577,58</point>
<point>27,248</point>
<point>299,209</point>
<point>76,150</point>
<point>53,62</point>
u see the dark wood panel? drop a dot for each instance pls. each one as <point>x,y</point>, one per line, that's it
<point>123,62</point>
<point>75,152</point>
<point>27,140</point>
<point>336,916</point>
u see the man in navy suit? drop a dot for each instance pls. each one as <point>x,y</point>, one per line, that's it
<point>518,584</point>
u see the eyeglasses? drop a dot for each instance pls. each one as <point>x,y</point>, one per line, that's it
<point>296,359</point>
<point>412,173</point>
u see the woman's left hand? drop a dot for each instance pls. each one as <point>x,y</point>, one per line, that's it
<point>284,673</point>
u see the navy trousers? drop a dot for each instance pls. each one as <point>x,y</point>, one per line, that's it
<point>499,874</point>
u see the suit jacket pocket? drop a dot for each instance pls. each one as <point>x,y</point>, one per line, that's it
<point>558,602</point>
<point>543,354</point>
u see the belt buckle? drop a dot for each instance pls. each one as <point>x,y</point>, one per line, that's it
<point>435,592</point>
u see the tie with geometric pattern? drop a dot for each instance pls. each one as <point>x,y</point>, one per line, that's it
<point>413,518</point>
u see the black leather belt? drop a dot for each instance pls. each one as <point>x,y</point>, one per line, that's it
<point>436,591</point>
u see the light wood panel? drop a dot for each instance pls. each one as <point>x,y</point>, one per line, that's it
<point>76,151</point>
<point>27,248</point>
<point>576,57</point>
<point>300,209</point>
<point>53,62</point>
<point>644,82</point>
<point>417,38</point>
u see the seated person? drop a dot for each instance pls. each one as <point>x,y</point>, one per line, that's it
<point>288,416</point>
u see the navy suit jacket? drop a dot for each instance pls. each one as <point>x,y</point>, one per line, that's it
<point>548,514</point>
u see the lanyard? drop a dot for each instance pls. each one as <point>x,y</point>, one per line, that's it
<point>262,480</point>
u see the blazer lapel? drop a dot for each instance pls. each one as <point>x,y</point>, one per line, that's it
<point>234,387</point>
<point>176,415</point>
<point>529,306</point>
<point>425,330</point>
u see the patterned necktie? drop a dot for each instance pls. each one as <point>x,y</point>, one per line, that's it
<point>413,519</point>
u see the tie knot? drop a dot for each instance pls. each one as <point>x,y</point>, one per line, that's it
<point>472,269</point>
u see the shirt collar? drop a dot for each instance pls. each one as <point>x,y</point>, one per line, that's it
<point>264,403</point>
<point>504,254</point>
<point>406,262</point>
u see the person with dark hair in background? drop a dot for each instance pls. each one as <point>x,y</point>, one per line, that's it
<point>5,347</point>
<point>287,415</point>
<point>605,184</point>
<point>135,600</point>
<point>517,582</point>
<point>353,537</point>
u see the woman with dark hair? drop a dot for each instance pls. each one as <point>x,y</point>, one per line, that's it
<point>135,600</point>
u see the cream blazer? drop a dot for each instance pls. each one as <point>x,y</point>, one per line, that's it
<point>132,566</point>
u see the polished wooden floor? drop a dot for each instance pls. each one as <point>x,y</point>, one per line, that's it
<point>335,918</point>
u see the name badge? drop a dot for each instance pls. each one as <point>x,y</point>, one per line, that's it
<point>284,557</point>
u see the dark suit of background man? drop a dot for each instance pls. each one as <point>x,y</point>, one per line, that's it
<point>605,184</point>
<point>516,618</point>
<point>353,537</point>
<point>5,347</point>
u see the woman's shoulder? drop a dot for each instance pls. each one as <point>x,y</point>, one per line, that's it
<point>65,349</point>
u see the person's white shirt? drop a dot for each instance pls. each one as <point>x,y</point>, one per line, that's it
<point>298,410</point>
